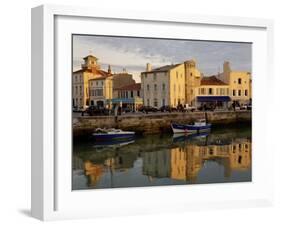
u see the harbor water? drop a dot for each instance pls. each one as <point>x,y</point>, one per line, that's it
<point>223,155</point>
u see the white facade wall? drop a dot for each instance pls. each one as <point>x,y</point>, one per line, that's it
<point>97,91</point>
<point>78,90</point>
<point>155,86</point>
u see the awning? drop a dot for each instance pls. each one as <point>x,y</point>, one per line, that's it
<point>213,98</point>
<point>126,101</point>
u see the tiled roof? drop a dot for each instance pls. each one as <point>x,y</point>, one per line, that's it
<point>136,86</point>
<point>83,70</point>
<point>100,77</point>
<point>212,80</point>
<point>96,72</point>
<point>163,68</point>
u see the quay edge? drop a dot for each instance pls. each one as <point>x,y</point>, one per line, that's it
<point>154,123</point>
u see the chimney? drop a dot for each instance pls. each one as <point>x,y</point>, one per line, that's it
<point>226,67</point>
<point>148,67</point>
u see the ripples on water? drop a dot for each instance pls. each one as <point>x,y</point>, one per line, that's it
<point>224,155</point>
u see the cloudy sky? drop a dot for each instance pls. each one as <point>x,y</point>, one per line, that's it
<point>133,53</point>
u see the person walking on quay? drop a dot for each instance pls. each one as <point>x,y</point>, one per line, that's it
<point>233,105</point>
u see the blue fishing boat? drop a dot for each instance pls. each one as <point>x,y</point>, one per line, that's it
<point>196,127</point>
<point>112,134</point>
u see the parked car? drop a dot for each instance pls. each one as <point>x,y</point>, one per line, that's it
<point>146,109</point>
<point>96,110</point>
<point>243,107</point>
<point>167,108</point>
<point>249,107</point>
<point>126,110</point>
<point>189,108</point>
<point>206,108</point>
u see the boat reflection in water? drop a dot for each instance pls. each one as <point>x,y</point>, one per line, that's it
<point>222,156</point>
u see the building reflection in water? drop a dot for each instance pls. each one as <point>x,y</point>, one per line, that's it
<point>187,161</point>
<point>180,162</point>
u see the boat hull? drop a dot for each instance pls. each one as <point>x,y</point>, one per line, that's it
<point>104,137</point>
<point>190,129</point>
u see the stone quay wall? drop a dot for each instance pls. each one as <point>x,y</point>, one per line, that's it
<point>154,122</point>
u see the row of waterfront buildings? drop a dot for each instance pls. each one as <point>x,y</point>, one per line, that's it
<point>173,85</point>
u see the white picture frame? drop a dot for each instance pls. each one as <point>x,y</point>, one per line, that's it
<point>52,197</point>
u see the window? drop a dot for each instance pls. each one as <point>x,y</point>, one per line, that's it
<point>138,93</point>
<point>132,94</point>
<point>239,92</point>
<point>210,91</point>
<point>202,91</point>
<point>246,92</point>
<point>239,80</point>
<point>177,74</point>
<point>154,76</point>
<point>81,78</point>
<point>155,87</point>
<point>148,103</point>
<point>155,102</point>
<point>191,74</point>
<point>75,78</point>
<point>239,159</point>
<point>80,90</point>
<point>163,86</point>
<point>97,92</point>
<point>76,90</point>
<point>97,83</point>
<point>126,94</point>
<point>145,75</point>
<point>147,87</point>
<point>163,102</point>
<point>102,83</point>
<point>234,92</point>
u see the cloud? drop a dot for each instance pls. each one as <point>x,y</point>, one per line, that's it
<point>134,53</point>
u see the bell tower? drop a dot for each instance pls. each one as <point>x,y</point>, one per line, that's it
<point>90,61</point>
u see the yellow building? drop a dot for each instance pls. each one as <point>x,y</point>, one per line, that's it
<point>164,85</point>
<point>80,81</point>
<point>91,77</point>
<point>212,92</point>
<point>192,82</point>
<point>239,84</point>
<point>101,90</point>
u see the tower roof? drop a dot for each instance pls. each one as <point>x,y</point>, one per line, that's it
<point>90,56</point>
